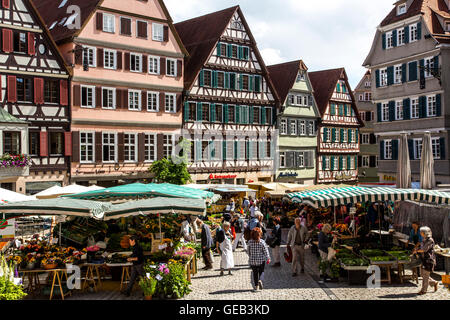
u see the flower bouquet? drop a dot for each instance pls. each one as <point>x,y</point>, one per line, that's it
<point>184,253</point>
<point>49,263</point>
<point>91,251</point>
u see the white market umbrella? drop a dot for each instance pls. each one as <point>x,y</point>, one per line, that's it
<point>427,178</point>
<point>56,191</point>
<point>7,196</point>
<point>403,164</point>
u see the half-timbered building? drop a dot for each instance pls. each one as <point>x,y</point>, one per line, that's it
<point>230,105</point>
<point>127,85</point>
<point>338,136</point>
<point>34,88</point>
<point>297,123</point>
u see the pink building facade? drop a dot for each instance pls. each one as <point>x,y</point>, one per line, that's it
<point>127,87</point>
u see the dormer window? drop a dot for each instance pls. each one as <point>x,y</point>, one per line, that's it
<point>300,76</point>
<point>447,26</point>
<point>401,9</point>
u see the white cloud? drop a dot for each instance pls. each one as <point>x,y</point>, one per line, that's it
<point>272,56</point>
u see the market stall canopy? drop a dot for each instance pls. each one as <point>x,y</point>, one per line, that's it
<point>361,195</point>
<point>157,206</point>
<point>58,206</point>
<point>318,187</point>
<point>139,190</point>
<point>7,196</point>
<point>434,196</point>
<point>57,191</point>
<point>298,197</point>
<point>231,188</point>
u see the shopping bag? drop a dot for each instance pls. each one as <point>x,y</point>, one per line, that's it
<point>331,254</point>
<point>211,255</point>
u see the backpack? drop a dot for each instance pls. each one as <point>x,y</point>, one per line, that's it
<point>239,226</point>
<point>220,236</point>
<point>247,233</point>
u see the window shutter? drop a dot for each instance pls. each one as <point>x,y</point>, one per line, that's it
<point>419,30</point>
<point>199,111</point>
<point>100,57</point>
<point>263,115</point>
<point>179,68</point>
<point>141,147</point>
<point>391,110</point>
<point>333,135</point>
<point>394,149</point>
<point>31,45</point>
<point>120,59</point>
<point>76,95</point>
<point>43,143</point>
<point>119,102</point>
<point>7,40</point>
<point>98,147</point>
<point>289,126</point>
<point>412,71</point>
<point>274,116</point>
<point>166,33</point>
<point>142,29</point>
<point>218,49</point>
<point>229,50</point>
<point>68,144</point>
<point>372,139</point>
<point>377,78</point>
<point>12,89</point>
<point>341,135</point>
<point>383,40</point>
<point>240,53</point>
<point>394,38</point>
<point>179,102</point>
<point>332,109</point>
<point>127,61</point>
<point>438,105</point>
<point>436,63</point>
<point>422,107</point>
<point>5,4</point>
<point>224,150</point>
<point>120,147</point>
<point>332,163</point>
<point>372,161</point>
<point>236,114</point>
<point>341,163</point>
<point>442,142</point>
<point>214,79</point>
<point>390,75</point>
<point>250,84</point>
<point>186,111</point>
<point>406,109</point>
<point>63,93</point>
<point>144,101</point>
<point>201,78</point>
<point>162,66</point>
<point>125,26</point>
<point>360,161</point>
<point>241,82</point>
<point>162,101</point>
<point>411,149</point>
<point>226,80</point>
<point>212,112</point>
<point>125,99</point>
<point>406,32</point>
<point>404,72</point>
<point>422,70</point>
<point>252,115</point>
<point>98,97</point>
<point>75,146</point>
<point>78,54</point>
<point>144,63</point>
<point>99,21</point>
<point>38,90</point>
<point>382,150</point>
<point>225,113</point>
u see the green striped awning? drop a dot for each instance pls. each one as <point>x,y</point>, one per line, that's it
<point>58,206</point>
<point>344,197</point>
<point>297,197</point>
<point>434,196</point>
<point>157,206</point>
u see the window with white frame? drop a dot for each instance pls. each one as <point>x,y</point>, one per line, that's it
<point>302,127</point>
<point>134,100</point>
<point>135,62</point>
<point>108,98</point>
<point>365,138</point>
<point>153,101</point>
<point>153,65</point>
<point>301,160</point>
<point>362,115</point>
<point>311,128</point>
<point>305,101</point>
<point>108,23</point>
<point>86,147</point>
<point>293,128</point>
<point>417,144</point>
<point>150,147</point>
<point>413,35</point>
<point>365,161</point>
<point>361,97</point>
<point>90,56</point>
<point>130,147</point>
<point>431,106</point>
<point>385,111</point>
<point>345,135</point>
<point>336,163</point>
<point>282,160</point>
<point>300,76</point>
<point>109,147</point>
<point>415,108</point>
<point>398,73</point>
<point>447,24</point>
<point>429,65</point>
<point>283,126</point>
<point>399,110</point>
<point>88,96</point>
<point>383,77</point>
<point>326,164</point>
<point>436,147</point>
<point>157,32</point>
<point>168,145</point>
<point>171,100</point>
<point>389,40</point>
<point>109,59</point>
<point>368,96</point>
<point>171,65</point>
<point>400,37</point>
<point>388,149</point>
<point>352,163</point>
<point>401,9</point>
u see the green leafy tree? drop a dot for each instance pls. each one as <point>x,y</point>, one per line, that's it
<point>175,170</point>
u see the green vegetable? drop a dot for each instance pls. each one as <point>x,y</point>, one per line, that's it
<point>372,252</point>
<point>355,262</point>
<point>381,259</point>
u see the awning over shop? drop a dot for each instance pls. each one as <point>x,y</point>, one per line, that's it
<point>298,197</point>
<point>434,196</point>
<point>58,206</point>
<point>139,190</point>
<point>157,206</point>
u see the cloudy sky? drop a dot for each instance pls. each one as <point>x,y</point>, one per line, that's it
<point>326,34</point>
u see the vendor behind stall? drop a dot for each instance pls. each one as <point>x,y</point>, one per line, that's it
<point>415,238</point>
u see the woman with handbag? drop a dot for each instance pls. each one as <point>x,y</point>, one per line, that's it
<point>428,256</point>
<point>276,242</point>
<point>325,243</point>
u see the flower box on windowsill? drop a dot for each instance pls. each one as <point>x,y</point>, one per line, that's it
<point>14,165</point>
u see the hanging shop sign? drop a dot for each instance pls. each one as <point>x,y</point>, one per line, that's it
<point>217,177</point>
<point>7,229</point>
<point>288,175</point>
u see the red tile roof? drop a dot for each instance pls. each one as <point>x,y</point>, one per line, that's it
<point>414,9</point>
<point>324,84</point>
<point>51,13</point>
<point>284,75</point>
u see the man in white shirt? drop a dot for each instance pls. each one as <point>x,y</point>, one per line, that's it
<point>253,209</point>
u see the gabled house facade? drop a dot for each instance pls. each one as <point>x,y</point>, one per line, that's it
<point>409,61</point>
<point>297,123</point>
<point>338,133</point>
<point>126,89</point>
<point>35,91</point>
<point>230,104</point>
<point>369,151</point>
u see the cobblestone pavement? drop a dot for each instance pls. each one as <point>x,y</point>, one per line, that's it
<point>280,285</point>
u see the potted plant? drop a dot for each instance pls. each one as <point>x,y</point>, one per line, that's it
<point>148,286</point>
